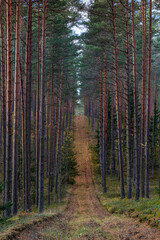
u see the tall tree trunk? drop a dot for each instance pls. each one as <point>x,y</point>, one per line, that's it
<point>148,102</point>
<point>8,194</point>
<point>23,134</point>
<point>51,138</point>
<point>143,96</point>
<point>155,120</point>
<point>60,153</point>
<point>118,105</point>
<point>27,110</point>
<point>101,124</point>
<point>16,107</point>
<point>112,132</point>
<point>37,111</point>
<point>53,170</point>
<point>42,110</point>
<point>128,122</point>
<point>58,144</point>
<point>136,158</point>
<point>47,125</point>
<point>3,97</point>
<point>105,123</point>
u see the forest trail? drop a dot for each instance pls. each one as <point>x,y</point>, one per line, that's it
<point>85,218</point>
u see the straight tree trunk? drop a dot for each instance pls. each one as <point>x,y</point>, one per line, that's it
<point>148,102</point>
<point>23,134</point>
<point>3,97</point>
<point>37,111</point>
<point>53,170</point>
<point>153,144</point>
<point>8,194</point>
<point>27,109</point>
<point>118,105</point>
<point>128,121</point>
<point>58,144</point>
<point>42,110</point>
<point>101,125</point>
<point>112,132</point>
<point>29,113</point>
<point>105,123</point>
<point>60,153</point>
<point>136,158</point>
<point>16,107</point>
<point>143,97</point>
<point>47,126</point>
<point>51,138</point>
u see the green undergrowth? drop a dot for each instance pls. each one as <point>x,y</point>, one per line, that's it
<point>145,209</point>
<point>11,227</point>
<point>77,228</point>
<point>68,173</point>
<point>24,218</point>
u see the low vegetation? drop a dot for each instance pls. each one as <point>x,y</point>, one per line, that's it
<point>15,224</point>
<point>144,209</point>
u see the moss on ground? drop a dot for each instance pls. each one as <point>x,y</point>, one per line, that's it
<point>144,209</point>
<point>10,227</point>
<point>79,227</point>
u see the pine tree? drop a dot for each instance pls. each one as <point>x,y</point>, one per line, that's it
<point>16,106</point>
<point>8,179</point>
<point>42,111</point>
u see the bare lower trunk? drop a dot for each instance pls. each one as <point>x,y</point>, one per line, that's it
<point>3,97</point>
<point>143,96</point>
<point>42,111</point>
<point>101,125</point>
<point>16,108</point>
<point>105,124</point>
<point>23,134</point>
<point>112,133</point>
<point>148,102</point>
<point>128,122</point>
<point>8,194</point>
<point>136,158</point>
<point>37,114</point>
<point>118,105</point>
<point>47,126</point>
<point>51,139</point>
<point>58,143</point>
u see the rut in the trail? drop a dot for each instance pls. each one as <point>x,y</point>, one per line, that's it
<point>84,217</point>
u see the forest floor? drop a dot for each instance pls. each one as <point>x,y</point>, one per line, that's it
<point>85,217</point>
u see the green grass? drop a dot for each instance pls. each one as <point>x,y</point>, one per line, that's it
<point>79,228</point>
<point>22,218</point>
<point>52,234</point>
<point>9,227</point>
<point>143,209</point>
<point>25,218</point>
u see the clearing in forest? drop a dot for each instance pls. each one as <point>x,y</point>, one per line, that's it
<point>85,217</point>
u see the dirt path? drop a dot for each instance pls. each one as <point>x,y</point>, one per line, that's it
<point>85,218</point>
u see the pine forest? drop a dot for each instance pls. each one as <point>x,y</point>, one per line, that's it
<point>79,119</point>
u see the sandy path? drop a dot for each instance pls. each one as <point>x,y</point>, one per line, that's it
<point>85,218</point>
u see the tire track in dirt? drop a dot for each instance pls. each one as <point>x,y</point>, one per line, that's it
<point>85,218</point>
